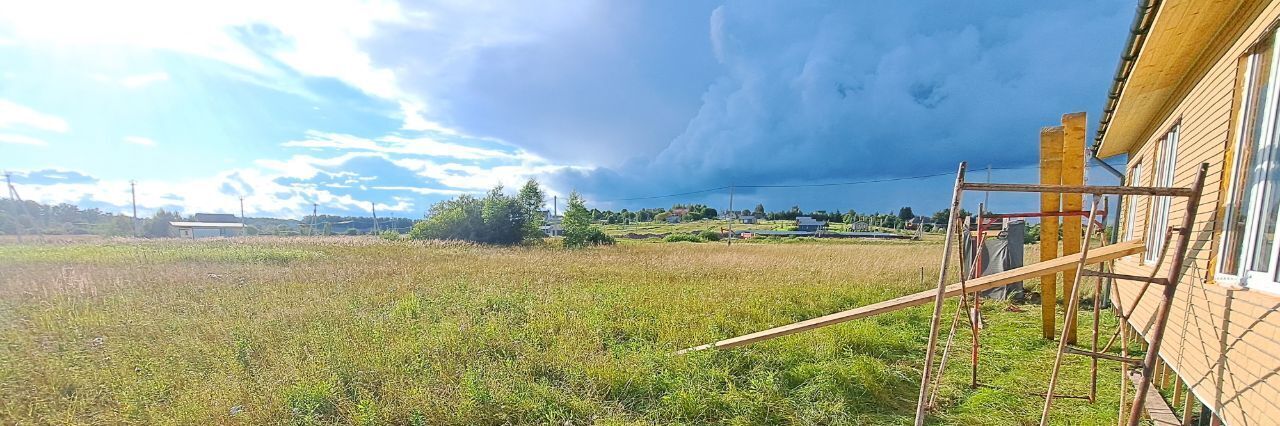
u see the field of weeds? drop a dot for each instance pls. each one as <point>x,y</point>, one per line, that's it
<point>359,330</point>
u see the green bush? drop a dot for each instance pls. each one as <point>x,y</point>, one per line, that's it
<point>497,218</point>
<point>686,238</point>
<point>596,237</point>
<point>709,235</point>
<point>389,235</point>
<point>578,229</point>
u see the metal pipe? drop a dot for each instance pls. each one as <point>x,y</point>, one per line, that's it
<point>1105,297</point>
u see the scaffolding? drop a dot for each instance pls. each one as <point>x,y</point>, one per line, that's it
<point>1088,254</point>
<point>1156,335</point>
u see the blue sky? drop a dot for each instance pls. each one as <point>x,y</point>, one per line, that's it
<point>402,104</point>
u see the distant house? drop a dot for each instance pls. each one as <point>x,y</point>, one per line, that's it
<point>215,218</point>
<point>671,218</point>
<point>748,219</point>
<point>809,224</point>
<point>859,226</point>
<point>208,225</point>
<point>552,224</point>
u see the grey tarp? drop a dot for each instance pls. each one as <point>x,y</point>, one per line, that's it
<point>999,254</point>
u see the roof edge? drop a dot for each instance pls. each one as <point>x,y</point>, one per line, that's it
<point>1143,19</point>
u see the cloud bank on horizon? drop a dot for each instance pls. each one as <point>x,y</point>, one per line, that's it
<point>401,104</point>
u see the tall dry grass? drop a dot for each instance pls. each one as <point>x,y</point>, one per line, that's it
<point>359,330</point>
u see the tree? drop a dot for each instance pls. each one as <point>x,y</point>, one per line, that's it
<point>906,214</point>
<point>578,228</point>
<point>759,211</point>
<point>495,219</point>
<point>158,225</point>
<point>532,200</point>
<point>940,217</point>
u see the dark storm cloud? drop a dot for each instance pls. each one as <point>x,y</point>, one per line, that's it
<point>844,90</point>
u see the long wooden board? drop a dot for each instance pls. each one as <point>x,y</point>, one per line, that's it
<point>1050,202</point>
<point>1072,174</point>
<point>1101,254</point>
<point>1157,408</point>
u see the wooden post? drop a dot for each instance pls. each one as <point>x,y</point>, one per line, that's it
<point>1072,174</point>
<point>1161,319</point>
<point>1072,300</point>
<point>923,401</point>
<point>1050,174</point>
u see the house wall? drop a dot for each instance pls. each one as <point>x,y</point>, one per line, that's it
<point>1221,342</point>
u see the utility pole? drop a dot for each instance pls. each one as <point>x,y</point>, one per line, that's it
<point>555,205</point>
<point>374,208</point>
<point>13,196</point>
<point>242,225</point>
<point>313,219</point>
<point>133,194</point>
<point>731,216</point>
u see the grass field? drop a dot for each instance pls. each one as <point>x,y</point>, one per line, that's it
<point>364,331</point>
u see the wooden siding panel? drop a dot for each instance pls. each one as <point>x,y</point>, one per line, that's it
<point>1225,344</point>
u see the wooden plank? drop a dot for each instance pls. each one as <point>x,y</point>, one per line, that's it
<point>1157,409</point>
<point>1078,189</point>
<point>1101,254</point>
<point>1072,174</point>
<point>1050,202</point>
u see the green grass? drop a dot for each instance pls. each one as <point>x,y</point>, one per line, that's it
<point>164,251</point>
<point>374,332</point>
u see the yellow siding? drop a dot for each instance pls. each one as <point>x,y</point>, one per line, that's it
<point>1224,343</point>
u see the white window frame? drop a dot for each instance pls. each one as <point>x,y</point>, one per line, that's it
<point>1266,146</point>
<point>1166,165</point>
<point>1131,217</point>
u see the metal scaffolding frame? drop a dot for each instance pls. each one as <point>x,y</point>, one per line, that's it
<point>1156,335</point>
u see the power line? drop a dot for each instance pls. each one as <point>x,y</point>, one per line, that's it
<point>816,185</point>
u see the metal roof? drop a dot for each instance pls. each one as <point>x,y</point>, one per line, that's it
<point>206,225</point>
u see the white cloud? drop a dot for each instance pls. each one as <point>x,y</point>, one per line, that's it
<point>12,114</point>
<point>21,140</point>
<point>400,145</point>
<point>325,41</point>
<point>141,80</point>
<point>139,140</point>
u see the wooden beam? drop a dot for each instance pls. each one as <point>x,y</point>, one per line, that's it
<point>1077,189</point>
<point>1050,202</point>
<point>1157,409</point>
<point>1072,175</point>
<point>1102,355</point>
<point>1101,254</point>
<point>1126,277</point>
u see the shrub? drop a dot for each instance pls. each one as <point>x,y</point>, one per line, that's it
<point>709,235</point>
<point>495,219</point>
<point>596,237</point>
<point>389,235</point>
<point>578,229</point>
<point>686,238</point>
<point>310,402</point>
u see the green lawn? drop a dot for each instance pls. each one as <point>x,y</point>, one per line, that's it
<point>359,330</point>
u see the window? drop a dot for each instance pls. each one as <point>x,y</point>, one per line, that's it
<point>1131,217</point>
<point>1158,210</point>
<point>1253,207</point>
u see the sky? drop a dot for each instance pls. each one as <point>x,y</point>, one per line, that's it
<point>352,104</point>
